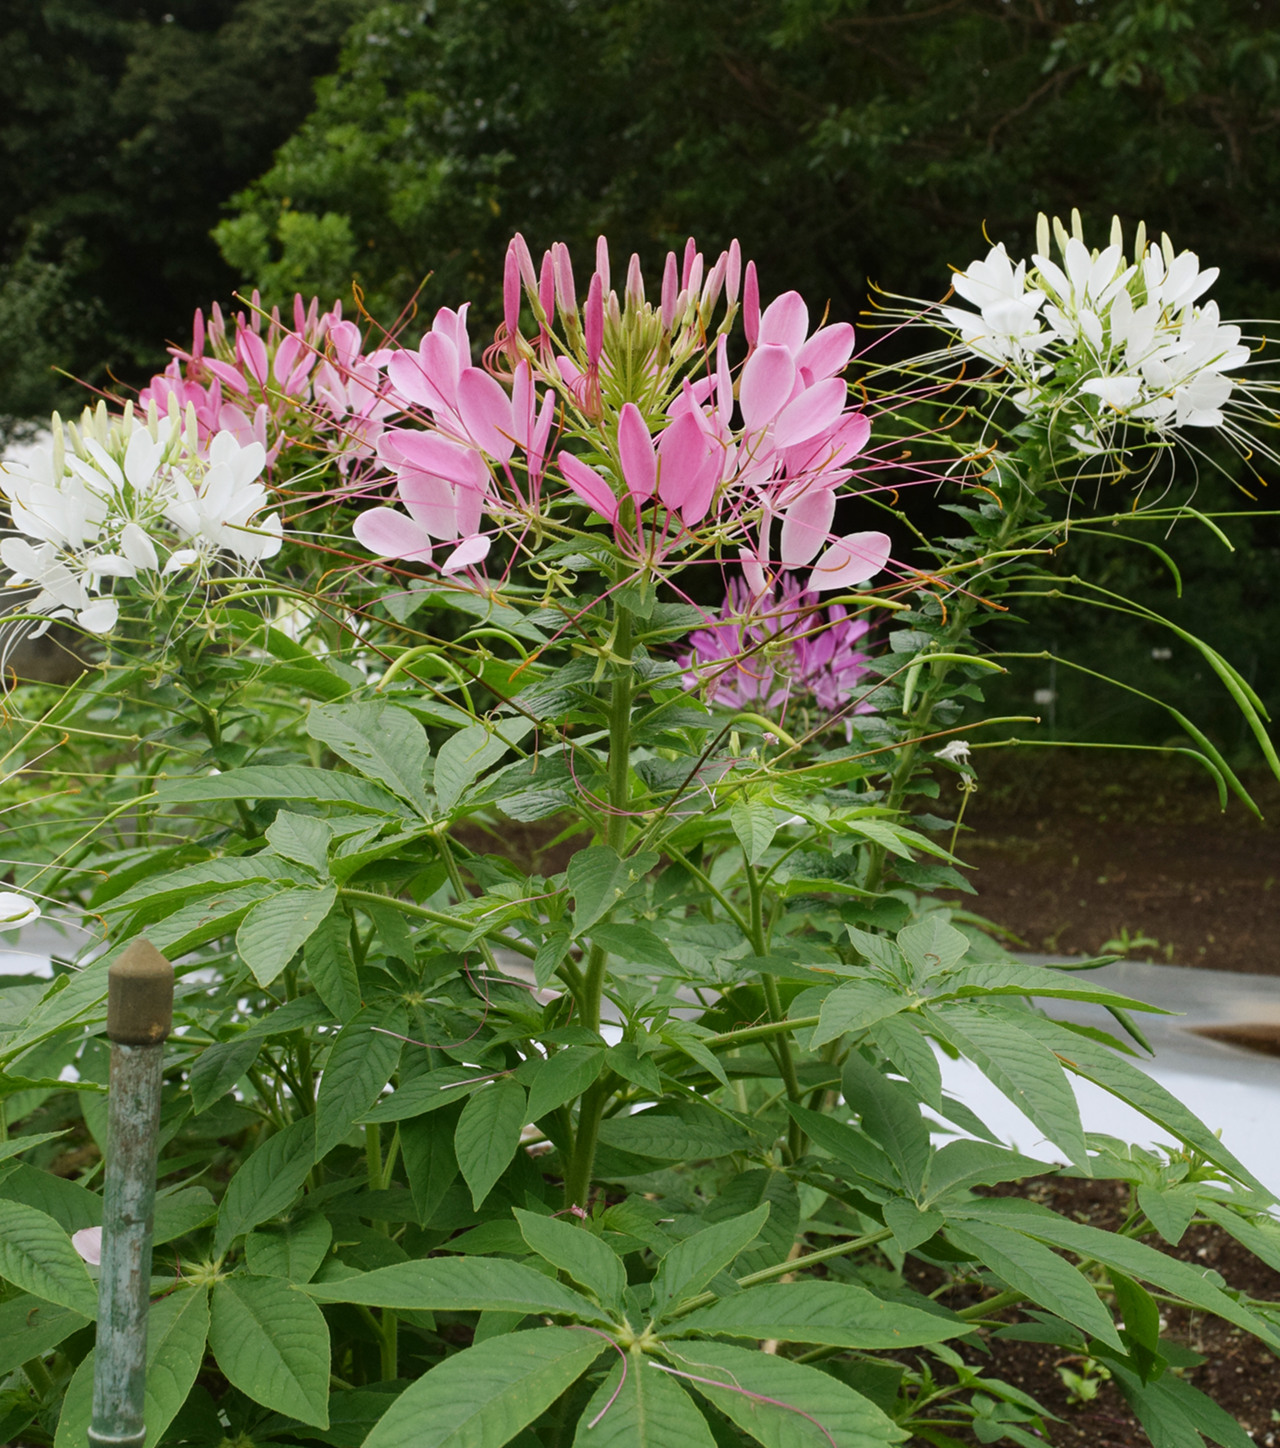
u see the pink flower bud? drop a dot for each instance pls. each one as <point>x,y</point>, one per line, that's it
<point>602,261</point>
<point>547,287</point>
<point>690,251</point>
<point>733,272</point>
<point>751,305</point>
<point>525,261</point>
<point>593,320</point>
<point>566,296</point>
<point>635,283</point>
<point>511,291</point>
<point>669,291</point>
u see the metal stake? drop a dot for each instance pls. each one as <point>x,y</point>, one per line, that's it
<point>139,1018</point>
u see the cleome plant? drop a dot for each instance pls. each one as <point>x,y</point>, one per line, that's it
<point>533,763</point>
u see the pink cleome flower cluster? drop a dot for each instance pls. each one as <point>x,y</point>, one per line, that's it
<point>312,386</point>
<point>780,651</point>
<point>666,443</point>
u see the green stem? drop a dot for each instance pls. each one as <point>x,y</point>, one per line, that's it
<point>773,1002</point>
<point>373,1156</point>
<point>420,912</point>
<point>38,1376</point>
<point>992,1304</point>
<point>795,1264</point>
<point>577,1182</point>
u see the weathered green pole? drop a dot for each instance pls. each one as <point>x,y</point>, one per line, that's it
<point>139,1018</point>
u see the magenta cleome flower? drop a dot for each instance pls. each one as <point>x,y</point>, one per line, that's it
<point>780,651</point>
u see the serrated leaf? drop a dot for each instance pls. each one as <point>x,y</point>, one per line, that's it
<point>830,1314</point>
<point>331,966</point>
<point>36,1255</point>
<point>289,781</point>
<point>671,1138</point>
<point>577,1251</point>
<point>638,945</point>
<point>1028,1073</point>
<point>643,1409</point>
<point>742,1194</point>
<point>560,1078</point>
<point>294,1250</point>
<point>483,1396</point>
<point>272,1343</point>
<point>1169,1209</point>
<point>853,1148</point>
<point>878,949</point>
<point>890,1112</point>
<point>851,1008</point>
<point>900,1041</point>
<point>459,1284</point>
<point>302,838</point>
<point>267,1181</point>
<point>465,755</point>
<point>625,1058</point>
<point>755,825</point>
<point>275,929</point>
<point>380,740</point>
<point>429,1163</point>
<point>31,1327</point>
<point>691,1264</point>
<point>597,879</point>
<point>177,1326</point>
<point>990,978</point>
<point>550,953</point>
<point>360,1063</point>
<point>911,1225</point>
<point>488,1134</point>
<point>218,1068</point>
<point>1042,1275</point>
<point>810,1408</point>
<point>932,946</point>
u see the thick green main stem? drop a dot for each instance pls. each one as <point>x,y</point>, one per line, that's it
<point>577,1185</point>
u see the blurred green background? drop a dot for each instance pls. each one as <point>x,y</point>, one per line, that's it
<point>160,154</point>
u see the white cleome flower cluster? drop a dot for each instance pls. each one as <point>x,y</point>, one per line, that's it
<point>128,498</point>
<point>1124,342</point>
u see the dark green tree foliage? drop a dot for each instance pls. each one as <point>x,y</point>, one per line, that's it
<point>841,140</point>
<point>126,122</point>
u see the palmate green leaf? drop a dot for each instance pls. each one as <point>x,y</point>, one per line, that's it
<point>931,946</point>
<point>488,1134</point>
<point>1016,1062</point>
<point>331,966</point>
<point>275,929</point>
<point>911,1225</point>
<point>483,1396</point>
<point>267,1181</point>
<point>691,1264</point>
<point>851,1008</point>
<point>755,824</point>
<point>576,1250</point>
<point>359,1064</point>
<point>648,1411</point>
<point>177,1326</point>
<point>1135,1259</point>
<point>1094,1062</point>
<point>284,781</point>
<point>466,754</point>
<point>380,740</point>
<point>272,1343</point>
<point>1042,1275</point>
<point>560,1078</point>
<point>219,1067</point>
<point>460,1284</point>
<point>1169,1209</point>
<point>31,1327</point>
<point>36,1255</point>
<point>294,1250</point>
<point>305,839</point>
<point>811,1409</point>
<point>829,1314</point>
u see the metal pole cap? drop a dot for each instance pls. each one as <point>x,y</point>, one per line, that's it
<point>139,996</point>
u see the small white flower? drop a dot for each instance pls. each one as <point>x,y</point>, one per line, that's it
<point>956,752</point>
<point>16,910</point>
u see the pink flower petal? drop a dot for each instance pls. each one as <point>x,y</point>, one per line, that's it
<point>753,572</point>
<point>785,322</point>
<point>88,1242</point>
<point>767,380</point>
<point>589,486</point>
<point>485,409</point>
<point>850,561</point>
<point>687,468</point>
<point>391,534</point>
<point>432,503</point>
<point>827,351</point>
<point>806,526</point>
<point>468,552</point>
<point>429,376</point>
<point>429,452</point>
<point>636,452</point>
<point>813,412</point>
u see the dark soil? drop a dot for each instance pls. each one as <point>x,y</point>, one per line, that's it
<point>1238,1373</point>
<point>1072,849</point>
